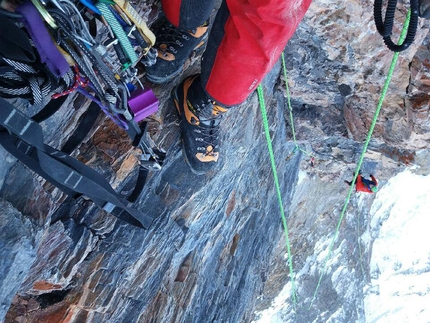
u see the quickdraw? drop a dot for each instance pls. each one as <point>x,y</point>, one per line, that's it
<point>385,27</point>
<point>91,49</point>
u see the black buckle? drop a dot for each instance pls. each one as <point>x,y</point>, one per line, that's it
<point>24,147</point>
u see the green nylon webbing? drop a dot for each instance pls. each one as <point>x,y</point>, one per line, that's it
<point>366,144</point>
<point>118,31</point>
<point>278,189</point>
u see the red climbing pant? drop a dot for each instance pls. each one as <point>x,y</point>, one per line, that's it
<point>245,42</point>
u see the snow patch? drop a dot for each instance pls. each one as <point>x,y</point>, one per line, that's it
<point>400,265</point>
<point>301,176</point>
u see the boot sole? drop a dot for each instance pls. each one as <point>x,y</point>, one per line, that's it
<point>165,79</point>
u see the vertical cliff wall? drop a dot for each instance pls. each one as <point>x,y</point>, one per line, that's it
<point>216,251</point>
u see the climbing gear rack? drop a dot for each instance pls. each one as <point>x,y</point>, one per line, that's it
<point>52,48</point>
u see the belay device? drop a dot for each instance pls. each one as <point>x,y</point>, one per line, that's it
<point>56,47</point>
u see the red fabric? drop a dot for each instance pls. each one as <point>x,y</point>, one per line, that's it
<point>171,9</point>
<point>362,187</point>
<point>255,34</point>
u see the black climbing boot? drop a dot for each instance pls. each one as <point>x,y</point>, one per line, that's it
<point>200,120</point>
<point>174,46</point>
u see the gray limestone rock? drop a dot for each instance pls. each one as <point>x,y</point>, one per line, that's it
<point>216,251</point>
<point>19,242</point>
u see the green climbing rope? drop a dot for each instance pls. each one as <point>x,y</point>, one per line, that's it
<point>366,144</point>
<point>278,189</point>
<point>290,109</point>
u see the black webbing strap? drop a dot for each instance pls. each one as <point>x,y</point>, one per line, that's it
<point>86,122</point>
<point>14,42</point>
<point>140,184</point>
<point>49,109</point>
<point>25,141</point>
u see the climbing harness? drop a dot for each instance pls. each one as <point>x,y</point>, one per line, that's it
<point>385,27</point>
<point>53,48</point>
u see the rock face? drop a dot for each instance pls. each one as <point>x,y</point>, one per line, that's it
<point>19,240</point>
<point>216,250</point>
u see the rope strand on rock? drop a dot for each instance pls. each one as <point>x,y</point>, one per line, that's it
<point>366,144</point>
<point>290,109</point>
<point>278,190</point>
<point>360,162</point>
